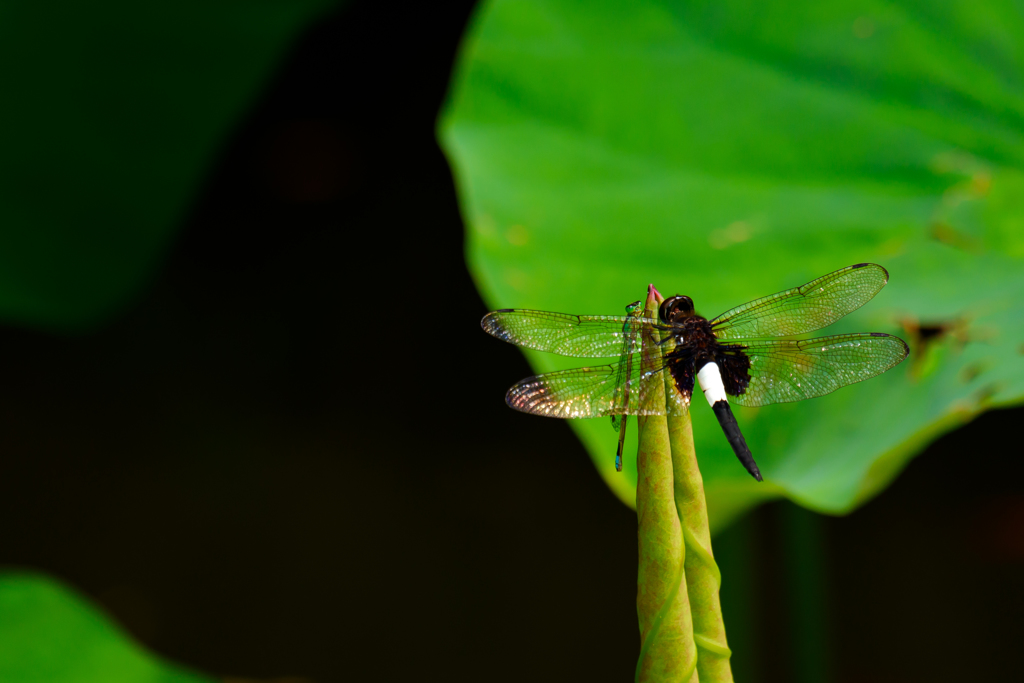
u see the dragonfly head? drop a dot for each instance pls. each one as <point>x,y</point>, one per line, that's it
<point>675,308</point>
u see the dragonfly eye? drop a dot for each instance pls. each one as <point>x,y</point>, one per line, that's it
<point>675,308</point>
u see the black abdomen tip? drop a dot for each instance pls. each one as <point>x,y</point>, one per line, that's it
<point>732,432</point>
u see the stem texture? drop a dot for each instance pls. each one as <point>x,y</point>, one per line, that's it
<point>667,651</point>
<point>703,578</point>
<point>681,627</point>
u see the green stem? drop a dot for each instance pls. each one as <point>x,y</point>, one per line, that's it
<point>703,578</point>
<point>681,625</point>
<point>668,651</point>
<point>655,629</point>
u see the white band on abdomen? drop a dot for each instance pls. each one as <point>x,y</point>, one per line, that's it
<point>711,383</point>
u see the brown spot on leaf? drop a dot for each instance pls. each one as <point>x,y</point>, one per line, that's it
<point>942,231</point>
<point>924,335</point>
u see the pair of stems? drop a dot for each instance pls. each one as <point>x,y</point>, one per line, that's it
<point>682,634</point>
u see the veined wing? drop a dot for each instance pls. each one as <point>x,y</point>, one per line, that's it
<point>782,371</point>
<point>803,309</point>
<point>593,392</point>
<point>581,336</point>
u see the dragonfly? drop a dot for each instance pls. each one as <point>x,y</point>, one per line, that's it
<point>738,354</point>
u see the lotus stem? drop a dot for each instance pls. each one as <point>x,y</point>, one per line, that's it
<point>667,651</point>
<point>681,627</point>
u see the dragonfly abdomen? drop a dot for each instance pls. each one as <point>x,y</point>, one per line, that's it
<point>713,386</point>
<point>710,379</point>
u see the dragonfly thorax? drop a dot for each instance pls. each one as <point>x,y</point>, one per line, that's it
<point>695,345</point>
<point>695,340</point>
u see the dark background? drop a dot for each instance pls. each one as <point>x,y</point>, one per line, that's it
<point>291,456</point>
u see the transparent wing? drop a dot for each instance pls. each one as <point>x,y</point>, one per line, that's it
<point>581,336</point>
<point>594,392</point>
<point>804,309</point>
<point>791,370</point>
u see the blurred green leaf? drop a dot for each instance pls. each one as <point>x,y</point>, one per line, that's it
<point>112,114</point>
<point>48,634</point>
<point>755,147</point>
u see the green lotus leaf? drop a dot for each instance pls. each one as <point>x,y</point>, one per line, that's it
<point>730,150</point>
<point>48,633</point>
<point>113,112</point>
